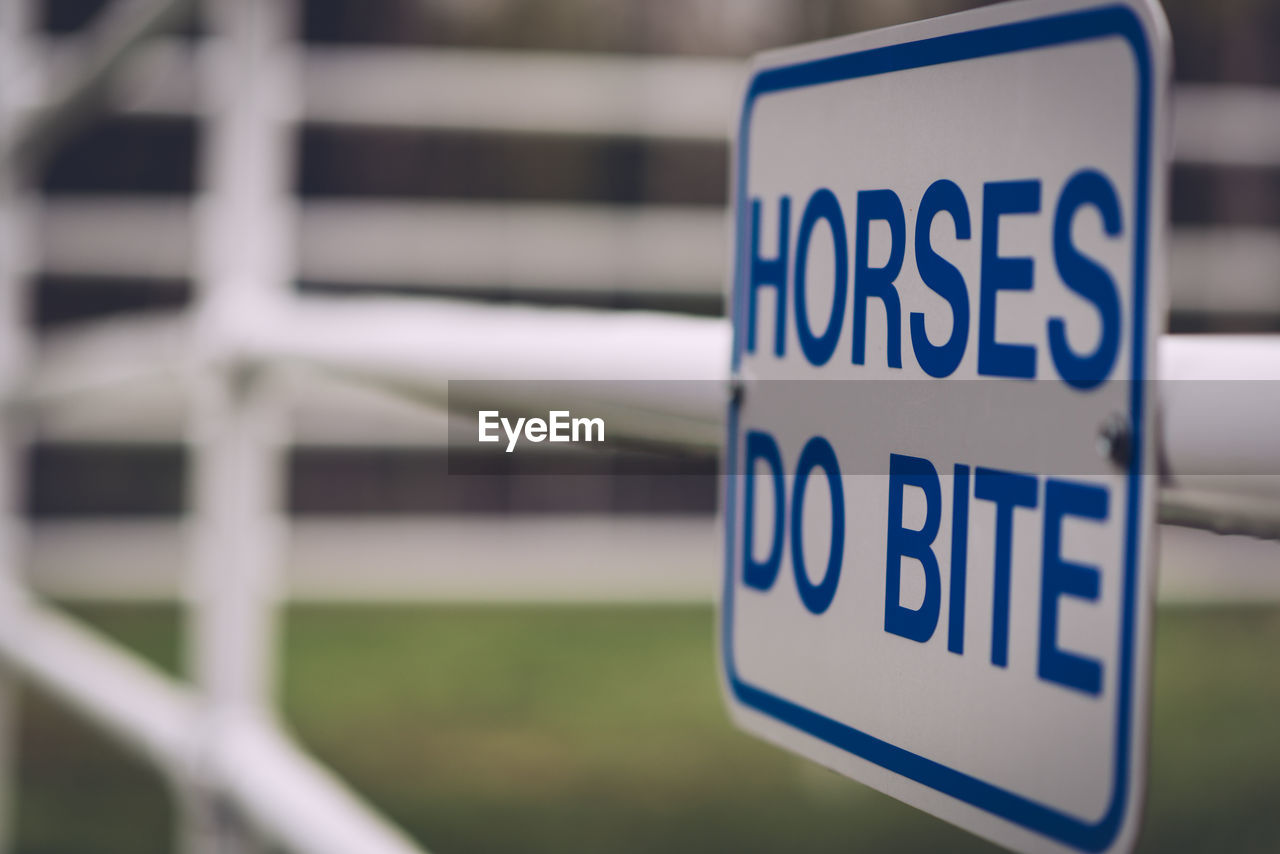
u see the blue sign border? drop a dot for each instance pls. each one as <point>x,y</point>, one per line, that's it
<point>1049,31</point>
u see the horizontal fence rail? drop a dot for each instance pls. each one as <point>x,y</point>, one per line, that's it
<point>1219,411</point>
<point>691,98</point>
<point>528,248</point>
<point>558,558</point>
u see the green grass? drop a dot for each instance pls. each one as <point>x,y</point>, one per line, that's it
<point>491,729</point>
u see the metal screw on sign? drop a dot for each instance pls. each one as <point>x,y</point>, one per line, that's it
<point>1115,441</point>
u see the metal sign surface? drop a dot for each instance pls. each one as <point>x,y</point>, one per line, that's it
<point>947,288</point>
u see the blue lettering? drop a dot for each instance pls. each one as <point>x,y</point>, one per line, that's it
<point>817,453</point>
<point>822,205</point>
<point>943,278</point>
<point>762,447</point>
<point>769,272</point>
<point>878,282</point>
<point>959,558</point>
<point>1084,276</point>
<point>1008,490</point>
<point>918,624</point>
<point>995,358</point>
<point>1064,578</point>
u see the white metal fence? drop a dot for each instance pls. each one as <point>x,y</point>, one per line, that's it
<point>218,740</point>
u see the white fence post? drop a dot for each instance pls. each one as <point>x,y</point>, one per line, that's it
<point>16,18</point>
<point>237,542</point>
<point>12,464</point>
<point>243,267</point>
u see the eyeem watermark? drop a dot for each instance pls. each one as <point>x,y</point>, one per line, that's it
<point>558,426</point>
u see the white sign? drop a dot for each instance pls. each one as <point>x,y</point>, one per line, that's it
<point>947,292</point>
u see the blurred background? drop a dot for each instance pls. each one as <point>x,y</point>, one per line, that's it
<point>505,664</point>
